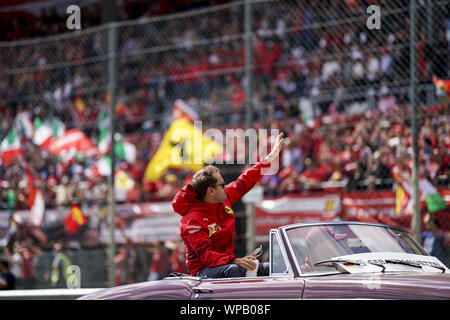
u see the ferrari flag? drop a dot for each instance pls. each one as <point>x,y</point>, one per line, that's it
<point>184,146</point>
<point>75,219</point>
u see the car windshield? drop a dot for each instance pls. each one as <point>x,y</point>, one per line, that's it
<point>312,244</point>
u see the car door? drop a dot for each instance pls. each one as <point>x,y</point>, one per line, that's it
<point>270,287</point>
<point>281,284</point>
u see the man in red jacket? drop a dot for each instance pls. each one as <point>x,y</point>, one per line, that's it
<point>208,224</point>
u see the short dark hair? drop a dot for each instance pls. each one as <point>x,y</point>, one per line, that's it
<point>435,221</point>
<point>4,263</point>
<point>203,179</point>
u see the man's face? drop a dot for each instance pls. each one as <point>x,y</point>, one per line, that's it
<point>218,191</point>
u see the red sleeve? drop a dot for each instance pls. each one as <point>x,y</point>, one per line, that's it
<point>246,181</point>
<point>195,233</point>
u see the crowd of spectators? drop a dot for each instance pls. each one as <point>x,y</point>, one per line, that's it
<point>339,68</point>
<point>361,152</point>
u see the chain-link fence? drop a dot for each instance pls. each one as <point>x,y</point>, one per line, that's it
<point>325,72</point>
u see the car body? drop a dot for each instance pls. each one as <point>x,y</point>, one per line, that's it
<point>332,260</point>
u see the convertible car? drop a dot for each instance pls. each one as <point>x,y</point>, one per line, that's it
<point>333,260</point>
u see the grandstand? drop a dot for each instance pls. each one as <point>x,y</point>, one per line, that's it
<point>338,90</point>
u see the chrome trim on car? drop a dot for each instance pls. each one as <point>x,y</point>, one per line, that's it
<point>291,251</point>
<point>290,271</point>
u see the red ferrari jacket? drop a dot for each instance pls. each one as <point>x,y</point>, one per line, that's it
<point>208,229</point>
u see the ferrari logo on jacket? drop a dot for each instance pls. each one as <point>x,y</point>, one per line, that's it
<point>213,228</point>
<point>228,210</point>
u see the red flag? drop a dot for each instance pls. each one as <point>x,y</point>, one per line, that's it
<point>75,219</point>
<point>71,142</point>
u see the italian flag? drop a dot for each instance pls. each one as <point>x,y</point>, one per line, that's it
<point>104,136</point>
<point>125,151</point>
<point>45,132</point>
<point>25,125</point>
<point>433,199</point>
<point>10,147</point>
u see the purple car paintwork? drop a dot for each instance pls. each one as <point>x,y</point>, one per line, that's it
<point>334,280</point>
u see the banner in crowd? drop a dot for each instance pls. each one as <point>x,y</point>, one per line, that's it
<point>272,213</point>
<point>144,222</point>
<point>374,207</point>
<point>380,207</point>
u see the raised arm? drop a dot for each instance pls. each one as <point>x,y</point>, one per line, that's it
<point>246,181</point>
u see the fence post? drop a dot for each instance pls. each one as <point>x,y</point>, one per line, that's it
<point>248,21</point>
<point>112,56</point>
<point>415,227</point>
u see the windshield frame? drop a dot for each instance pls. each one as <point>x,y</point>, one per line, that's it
<point>284,231</point>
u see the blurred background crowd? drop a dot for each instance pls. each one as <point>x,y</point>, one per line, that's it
<point>340,140</point>
<point>337,89</point>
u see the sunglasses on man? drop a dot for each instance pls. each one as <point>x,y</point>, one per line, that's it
<point>220,184</point>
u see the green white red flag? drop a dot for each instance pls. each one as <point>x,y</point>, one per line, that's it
<point>433,199</point>
<point>104,136</point>
<point>10,147</point>
<point>25,125</point>
<point>124,150</point>
<point>45,132</point>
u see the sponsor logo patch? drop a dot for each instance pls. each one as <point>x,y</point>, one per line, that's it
<point>213,228</point>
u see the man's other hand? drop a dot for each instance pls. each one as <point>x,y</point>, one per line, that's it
<point>245,262</point>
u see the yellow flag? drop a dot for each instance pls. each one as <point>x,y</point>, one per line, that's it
<point>183,146</point>
<point>401,198</point>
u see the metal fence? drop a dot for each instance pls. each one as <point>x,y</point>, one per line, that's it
<point>338,83</point>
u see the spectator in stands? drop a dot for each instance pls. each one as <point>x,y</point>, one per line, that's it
<point>120,266</point>
<point>60,263</point>
<point>29,253</point>
<point>433,239</point>
<point>387,102</point>
<point>178,257</point>
<point>313,174</point>
<point>15,262</point>
<point>379,170</point>
<point>7,279</point>
<point>357,179</point>
<point>126,263</point>
<point>160,262</point>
